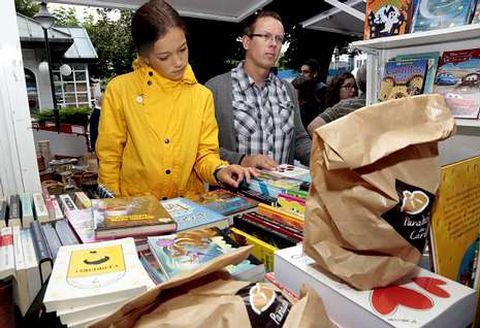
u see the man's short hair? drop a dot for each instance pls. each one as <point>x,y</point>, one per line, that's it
<point>313,64</point>
<point>249,25</point>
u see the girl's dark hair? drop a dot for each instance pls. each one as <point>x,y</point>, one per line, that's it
<point>249,25</point>
<point>332,94</point>
<point>152,21</point>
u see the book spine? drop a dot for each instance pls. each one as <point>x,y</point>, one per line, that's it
<point>255,195</point>
<point>27,210</point>
<point>283,224</point>
<point>43,253</point>
<point>66,203</point>
<point>65,233</point>
<point>82,200</point>
<point>57,211</point>
<point>3,213</point>
<point>274,227</point>
<point>7,257</point>
<point>262,208</point>
<point>41,212</point>
<point>52,239</point>
<point>14,218</point>
<point>261,250</point>
<point>265,233</point>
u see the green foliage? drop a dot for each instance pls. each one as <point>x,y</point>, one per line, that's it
<point>112,41</point>
<point>66,17</point>
<point>26,7</point>
<point>70,115</point>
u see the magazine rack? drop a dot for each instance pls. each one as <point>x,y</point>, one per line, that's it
<point>467,141</point>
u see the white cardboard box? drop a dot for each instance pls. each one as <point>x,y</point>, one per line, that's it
<point>446,303</point>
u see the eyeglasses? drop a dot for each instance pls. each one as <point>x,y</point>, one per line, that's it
<point>349,86</point>
<point>279,39</point>
<point>305,71</point>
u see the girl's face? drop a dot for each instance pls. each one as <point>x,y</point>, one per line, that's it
<point>348,89</point>
<point>169,55</point>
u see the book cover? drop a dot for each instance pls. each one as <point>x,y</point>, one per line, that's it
<point>31,265</point>
<point>402,79</point>
<point>7,257</point>
<point>27,209</point>
<point>51,238</point>
<point>190,215</point>
<point>95,273</point>
<point>45,260</point>
<point>128,216</point>
<point>185,251</point>
<point>14,218</point>
<point>270,184</point>
<point>65,232</point>
<point>82,224</point>
<point>422,299</point>
<point>278,215</point>
<point>40,208</point>
<point>437,14</point>
<point>432,64</point>
<point>387,18</point>
<point>3,213</point>
<point>458,80</point>
<point>291,204</point>
<point>82,200</point>
<point>66,203</point>
<point>224,202</point>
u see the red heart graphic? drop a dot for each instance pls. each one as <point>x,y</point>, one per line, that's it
<point>431,285</point>
<point>386,300</point>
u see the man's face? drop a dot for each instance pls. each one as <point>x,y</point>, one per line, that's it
<point>307,72</point>
<point>264,45</point>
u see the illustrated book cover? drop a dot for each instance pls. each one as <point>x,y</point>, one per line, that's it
<point>130,216</point>
<point>190,215</point>
<point>225,202</point>
<point>437,14</point>
<point>458,80</point>
<point>402,79</point>
<point>386,18</point>
<point>95,273</point>
<point>432,64</point>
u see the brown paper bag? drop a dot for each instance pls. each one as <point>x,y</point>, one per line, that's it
<point>207,297</point>
<point>374,176</point>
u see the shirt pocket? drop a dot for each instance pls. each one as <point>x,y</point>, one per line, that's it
<point>245,122</point>
<point>285,117</point>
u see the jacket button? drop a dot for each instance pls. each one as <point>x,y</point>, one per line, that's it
<point>149,82</point>
<point>150,73</point>
<point>167,171</point>
<point>167,141</point>
<point>164,198</point>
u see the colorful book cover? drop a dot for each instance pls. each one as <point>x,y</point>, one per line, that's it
<point>190,215</point>
<point>437,14</point>
<point>455,222</point>
<point>224,202</point>
<point>402,79</point>
<point>476,15</point>
<point>261,250</point>
<point>95,273</point>
<point>185,251</point>
<point>387,18</point>
<point>291,204</point>
<point>130,215</point>
<point>458,80</point>
<point>432,65</point>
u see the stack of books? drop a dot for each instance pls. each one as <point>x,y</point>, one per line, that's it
<point>91,281</point>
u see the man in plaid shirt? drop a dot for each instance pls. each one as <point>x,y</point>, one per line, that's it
<point>258,113</point>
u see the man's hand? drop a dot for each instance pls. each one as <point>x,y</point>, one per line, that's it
<point>233,175</point>
<point>259,162</point>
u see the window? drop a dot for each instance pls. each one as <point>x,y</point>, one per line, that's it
<point>74,89</point>
<point>32,91</point>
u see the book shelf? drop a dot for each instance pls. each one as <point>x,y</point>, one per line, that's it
<point>466,143</point>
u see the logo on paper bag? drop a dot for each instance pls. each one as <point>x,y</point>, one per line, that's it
<point>410,217</point>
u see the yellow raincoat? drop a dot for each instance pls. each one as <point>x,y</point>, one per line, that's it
<point>156,135</point>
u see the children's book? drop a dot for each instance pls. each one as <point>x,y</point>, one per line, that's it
<point>95,273</point>
<point>130,216</point>
<point>437,14</point>
<point>458,80</point>
<point>190,215</point>
<point>225,202</point>
<point>402,79</point>
<point>432,65</point>
<point>188,250</point>
<point>387,18</point>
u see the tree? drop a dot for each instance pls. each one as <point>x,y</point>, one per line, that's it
<point>112,41</point>
<point>26,7</point>
<point>66,17</point>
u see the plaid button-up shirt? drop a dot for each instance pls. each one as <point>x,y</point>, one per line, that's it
<point>263,117</point>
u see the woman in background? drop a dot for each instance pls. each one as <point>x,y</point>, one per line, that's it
<point>341,87</point>
<point>158,134</point>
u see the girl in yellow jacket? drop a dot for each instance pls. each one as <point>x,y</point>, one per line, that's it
<point>158,132</point>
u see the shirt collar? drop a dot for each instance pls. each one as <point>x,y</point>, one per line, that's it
<point>147,73</point>
<point>241,74</point>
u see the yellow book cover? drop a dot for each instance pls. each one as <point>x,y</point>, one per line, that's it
<point>87,274</point>
<point>456,220</point>
<point>261,250</point>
